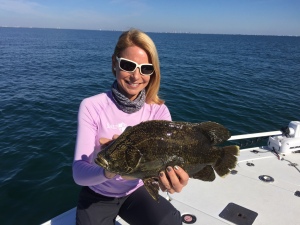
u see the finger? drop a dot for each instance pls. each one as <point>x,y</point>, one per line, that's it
<point>174,180</point>
<point>164,183</point>
<point>129,178</point>
<point>182,175</point>
<point>104,141</point>
<point>115,136</point>
<point>160,182</point>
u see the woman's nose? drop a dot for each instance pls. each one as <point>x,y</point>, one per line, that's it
<point>136,74</point>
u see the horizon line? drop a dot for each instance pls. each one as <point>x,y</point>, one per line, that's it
<point>162,32</point>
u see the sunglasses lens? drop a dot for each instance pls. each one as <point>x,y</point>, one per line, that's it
<point>126,65</point>
<point>131,66</point>
<point>147,69</point>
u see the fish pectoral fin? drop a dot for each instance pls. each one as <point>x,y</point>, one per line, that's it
<point>206,174</point>
<point>133,158</point>
<point>216,132</point>
<point>152,187</point>
<point>227,160</point>
<point>151,165</point>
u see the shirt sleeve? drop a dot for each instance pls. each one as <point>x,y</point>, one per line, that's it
<point>85,171</point>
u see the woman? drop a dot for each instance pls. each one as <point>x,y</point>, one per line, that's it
<point>132,99</point>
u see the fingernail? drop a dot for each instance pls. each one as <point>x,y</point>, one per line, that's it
<point>169,168</point>
<point>176,167</point>
<point>161,174</point>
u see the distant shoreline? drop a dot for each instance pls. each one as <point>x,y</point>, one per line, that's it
<point>167,32</point>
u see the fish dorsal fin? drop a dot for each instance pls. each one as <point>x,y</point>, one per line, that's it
<point>152,186</point>
<point>133,157</point>
<point>216,132</point>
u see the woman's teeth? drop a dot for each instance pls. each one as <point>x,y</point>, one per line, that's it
<point>132,84</point>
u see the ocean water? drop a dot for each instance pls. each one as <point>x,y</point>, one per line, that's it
<point>248,83</point>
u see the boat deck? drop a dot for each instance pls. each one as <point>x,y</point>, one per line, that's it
<point>240,198</point>
<point>271,202</point>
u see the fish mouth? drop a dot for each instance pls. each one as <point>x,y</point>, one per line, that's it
<point>102,162</point>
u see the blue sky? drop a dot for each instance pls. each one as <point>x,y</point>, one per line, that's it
<point>263,17</point>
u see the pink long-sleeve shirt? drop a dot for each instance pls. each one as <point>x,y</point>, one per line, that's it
<point>99,117</point>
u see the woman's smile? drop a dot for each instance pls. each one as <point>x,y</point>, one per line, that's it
<point>132,84</point>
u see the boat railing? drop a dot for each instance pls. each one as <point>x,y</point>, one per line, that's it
<point>254,135</point>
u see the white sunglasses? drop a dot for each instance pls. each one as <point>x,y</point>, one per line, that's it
<point>130,66</point>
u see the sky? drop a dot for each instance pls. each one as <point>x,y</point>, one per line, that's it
<point>258,17</point>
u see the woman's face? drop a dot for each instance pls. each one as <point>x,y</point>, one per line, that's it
<point>131,83</point>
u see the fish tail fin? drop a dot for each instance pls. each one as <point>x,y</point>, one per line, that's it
<point>227,161</point>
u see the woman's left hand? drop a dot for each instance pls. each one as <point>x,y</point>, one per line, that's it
<point>173,179</point>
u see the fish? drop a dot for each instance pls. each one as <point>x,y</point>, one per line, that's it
<point>144,150</point>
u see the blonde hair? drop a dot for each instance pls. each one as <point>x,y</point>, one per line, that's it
<point>134,37</point>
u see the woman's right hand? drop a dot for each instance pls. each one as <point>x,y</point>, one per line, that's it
<point>104,142</point>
